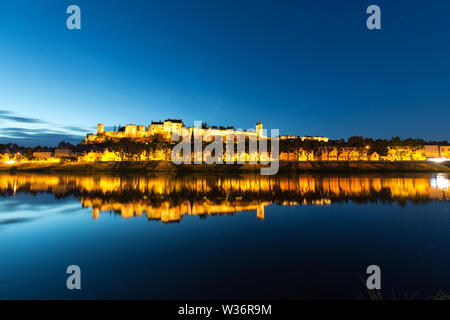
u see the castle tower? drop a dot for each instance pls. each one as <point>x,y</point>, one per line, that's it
<point>100,128</point>
<point>259,129</point>
<point>130,130</point>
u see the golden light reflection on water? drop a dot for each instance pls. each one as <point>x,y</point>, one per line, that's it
<point>169,198</point>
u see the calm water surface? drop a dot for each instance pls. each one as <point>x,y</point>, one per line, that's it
<point>188,237</point>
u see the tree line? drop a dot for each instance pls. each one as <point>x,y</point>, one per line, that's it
<point>127,147</point>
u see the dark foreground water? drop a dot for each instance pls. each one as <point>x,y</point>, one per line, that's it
<point>188,237</point>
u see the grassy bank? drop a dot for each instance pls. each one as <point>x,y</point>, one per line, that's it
<point>165,166</point>
<point>367,166</point>
<point>98,167</point>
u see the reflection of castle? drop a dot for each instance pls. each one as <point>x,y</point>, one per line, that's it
<point>167,212</point>
<point>169,198</point>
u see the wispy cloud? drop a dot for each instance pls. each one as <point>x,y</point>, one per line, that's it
<point>29,131</point>
<point>8,115</point>
<point>15,220</point>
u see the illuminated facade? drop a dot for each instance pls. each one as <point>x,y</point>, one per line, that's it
<point>166,129</point>
<point>435,151</point>
<point>42,155</point>
<point>305,138</point>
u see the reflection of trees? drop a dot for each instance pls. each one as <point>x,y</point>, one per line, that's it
<point>303,189</point>
<point>218,195</point>
<point>169,198</point>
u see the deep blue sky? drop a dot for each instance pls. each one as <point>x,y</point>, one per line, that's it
<point>305,67</point>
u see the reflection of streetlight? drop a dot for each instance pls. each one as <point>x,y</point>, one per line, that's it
<point>440,181</point>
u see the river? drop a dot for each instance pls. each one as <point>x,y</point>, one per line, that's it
<point>307,236</point>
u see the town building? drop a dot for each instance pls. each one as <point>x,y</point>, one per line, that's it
<point>63,153</point>
<point>436,151</point>
<point>431,151</point>
<point>42,155</point>
<point>444,151</point>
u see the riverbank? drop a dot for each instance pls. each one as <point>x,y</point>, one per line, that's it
<point>286,166</point>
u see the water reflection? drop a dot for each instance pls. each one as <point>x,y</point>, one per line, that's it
<point>440,181</point>
<point>169,198</point>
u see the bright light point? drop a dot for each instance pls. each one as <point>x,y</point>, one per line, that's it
<point>438,159</point>
<point>442,183</point>
<point>10,162</point>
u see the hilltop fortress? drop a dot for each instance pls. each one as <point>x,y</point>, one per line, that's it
<point>166,129</point>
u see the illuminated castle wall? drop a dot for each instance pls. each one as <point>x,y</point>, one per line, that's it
<point>165,129</point>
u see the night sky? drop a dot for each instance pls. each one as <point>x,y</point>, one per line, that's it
<point>305,67</point>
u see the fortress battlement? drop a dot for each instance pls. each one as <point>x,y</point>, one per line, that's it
<point>165,129</point>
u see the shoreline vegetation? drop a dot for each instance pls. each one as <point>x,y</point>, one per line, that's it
<point>285,166</point>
